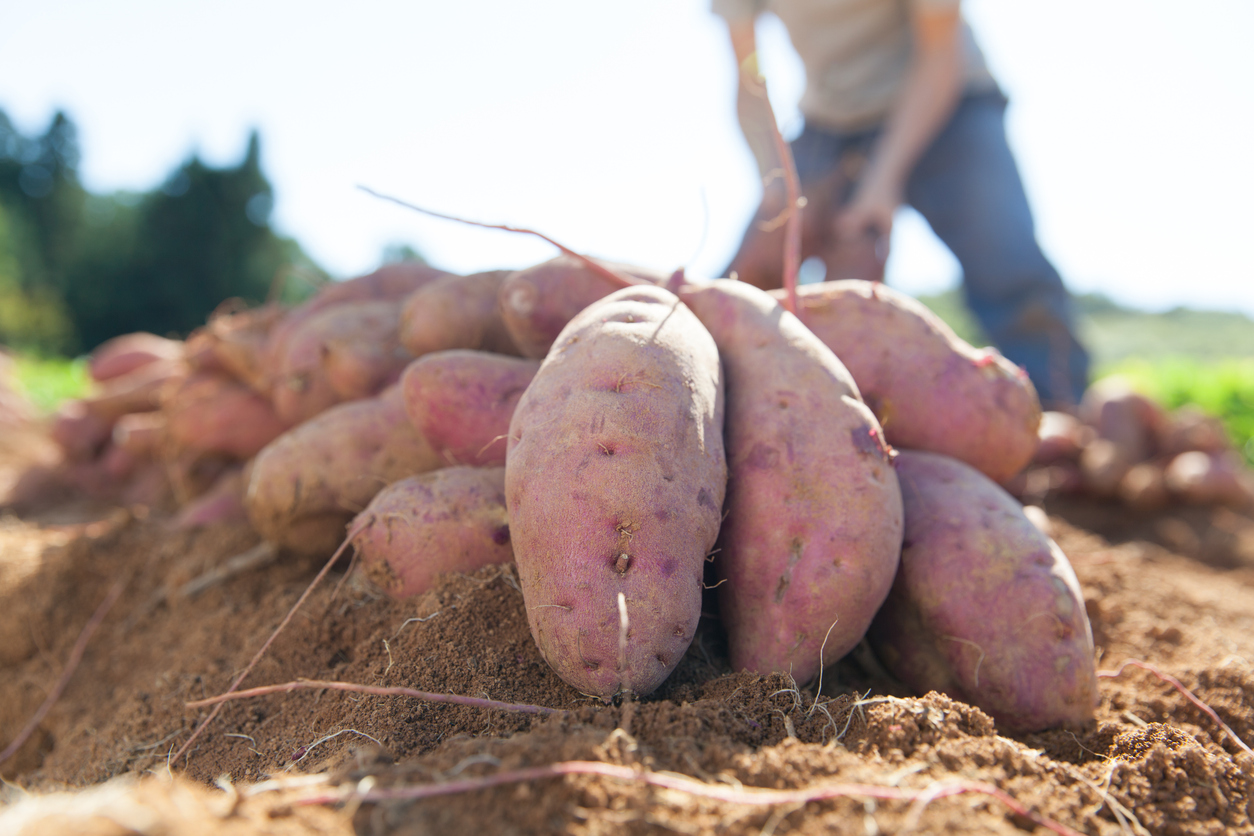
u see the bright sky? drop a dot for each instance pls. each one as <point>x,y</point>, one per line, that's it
<point>611,126</point>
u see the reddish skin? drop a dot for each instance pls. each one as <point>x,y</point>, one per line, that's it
<point>237,344</point>
<point>813,513</point>
<point>1210,479</point>
<point>309,482</point>
<point>222,503</point>
<point>390,283</point>
<point>449,520</point>
<point>929,389</point>
<point>140,433</point>
<point>79,432</point>
<point>211,413</point>
<point>462,402</point>
<point>536,303</point>
<point>122,355</point>
<point>985,607</point>
<point>342,353</point>
<point>136,391</point>
<point>615,478</point>
<point>456,312</point>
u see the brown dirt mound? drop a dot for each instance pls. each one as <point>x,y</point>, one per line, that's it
<point>1152,762</point>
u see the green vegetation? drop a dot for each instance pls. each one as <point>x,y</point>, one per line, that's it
<point>49,381</point>
<point>78,268</point>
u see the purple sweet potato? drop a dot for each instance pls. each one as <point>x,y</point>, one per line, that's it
<point>456,312</point>
<point>813,529</point>
<point>985,607</point>
<point>342,353</point>
<point>536,303</point>
<point>615,478</point>
<point>929,388</point>
<point>308,483</point>
<point>449,520</point>
<point>462,402</point>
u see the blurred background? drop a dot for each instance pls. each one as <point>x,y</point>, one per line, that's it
<point>157,158</point>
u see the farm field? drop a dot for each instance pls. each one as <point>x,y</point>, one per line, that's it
<point>1170,591</point>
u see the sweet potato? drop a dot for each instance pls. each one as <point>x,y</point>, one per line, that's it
<point>390,283</point>
<point>462,402</point>
<point>1062,437</point>
<point>342,353</point>
<point>615,478</point>
<point>536,303</point>
<point>140,433</point>
<point>985,607</point>
<point>813,529</point>
<point>136,391</point>
<point>222,503</point>
<point>1189,428</point>
<point>1131,421</point>
<point>1210,479</point>
<point>80,432</point>
<point>211,413</point>
<point>449,520</point>
<point>456,312</point>
<point>928,387</point>
<point>238,343</point>
<point>124,354</point>
<point>308,483</point>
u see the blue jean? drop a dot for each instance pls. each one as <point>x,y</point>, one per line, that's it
<point>966,185</point>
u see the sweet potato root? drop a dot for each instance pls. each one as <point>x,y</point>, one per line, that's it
<point>211,413</point>
<point>984,607</point>
<point>462,402</point>
<point>122,355</point>
<point>536,303</point>
<point>615,478</point>
<point>308,483</point>
<point>448,520</point>
<point>342,353</point>
<point>929,388</point>
<point>813,529</point>
<point>456,312</point>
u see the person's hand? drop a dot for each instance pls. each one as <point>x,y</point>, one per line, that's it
<point>870,213</point>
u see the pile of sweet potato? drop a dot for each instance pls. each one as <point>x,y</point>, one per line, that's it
<point>1122,446</point>
<point>631,439</point>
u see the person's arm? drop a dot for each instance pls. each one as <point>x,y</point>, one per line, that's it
<point>931,92</point>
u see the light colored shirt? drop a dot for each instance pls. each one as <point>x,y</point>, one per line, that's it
<point>856,53</point>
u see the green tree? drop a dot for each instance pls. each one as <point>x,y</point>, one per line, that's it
<point>77,269</point>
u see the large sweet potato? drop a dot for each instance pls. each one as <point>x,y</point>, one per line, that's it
<point>536,303</point>
<point>456,312</point>
<point>985,607</point>
<point>813,528</point>
<point>462,402</point>
<point>342,353</point>
<point>615,478</point>
<point>449,520</point>
<point>928,387</point>
<point>308,483</point>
